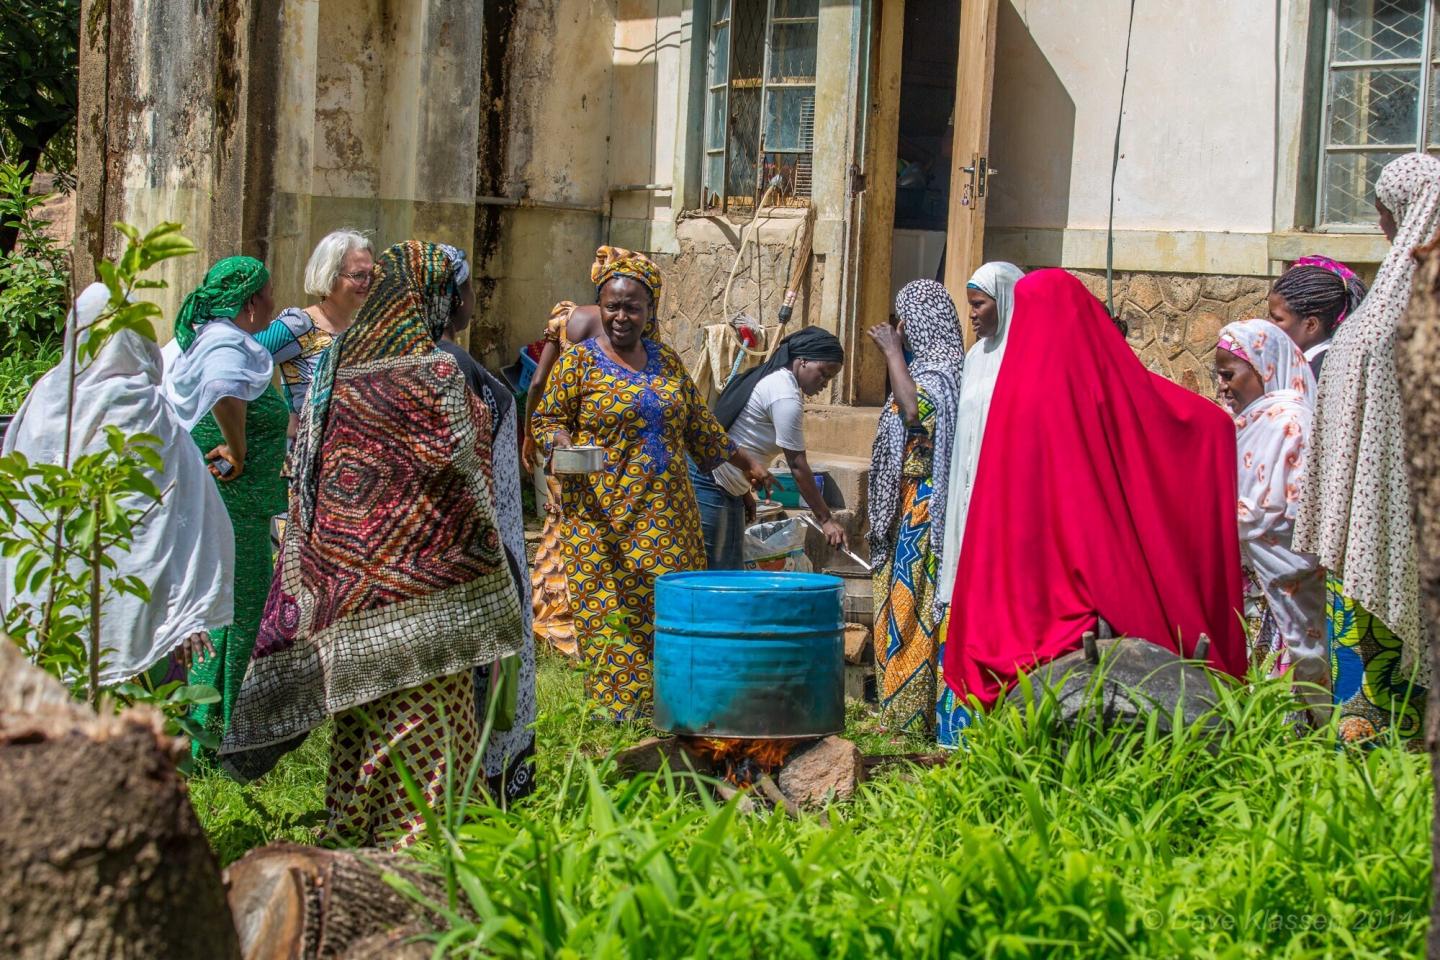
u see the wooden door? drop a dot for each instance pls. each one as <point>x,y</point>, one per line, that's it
<point>970,167</point>
<point>876,221</point>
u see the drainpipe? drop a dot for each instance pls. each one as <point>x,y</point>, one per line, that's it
<point>532,202</point>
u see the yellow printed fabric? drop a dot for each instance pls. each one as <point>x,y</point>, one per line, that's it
<point>637,518</point>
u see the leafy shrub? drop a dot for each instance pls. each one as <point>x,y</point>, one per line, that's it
<point>35,276</point>
<point>1250,843</point>
<point>21,364</point>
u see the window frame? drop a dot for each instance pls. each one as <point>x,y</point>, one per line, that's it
<point>723,201</point>
<point>1426,63</point>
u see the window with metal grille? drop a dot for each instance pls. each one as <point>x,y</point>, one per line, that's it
<point>760,104</point>
<point>1382,99</point>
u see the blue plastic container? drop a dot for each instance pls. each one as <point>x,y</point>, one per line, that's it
<point>527,371</point>
<point>742,653</point>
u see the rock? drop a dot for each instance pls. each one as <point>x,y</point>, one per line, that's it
<point>1137,323</point>
<point>1181,292</point>
<point>1144,292</point>
<point>1140,678</point>
<point>1192,374</point>
<point>1203,331</point>
<point>830,768</point>
<point>1169,326</point>
<point>648,755</point>
<point>1224,289</point>
<point>857,639</point>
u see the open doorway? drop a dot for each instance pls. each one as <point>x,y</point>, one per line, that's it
<point>926,132</point>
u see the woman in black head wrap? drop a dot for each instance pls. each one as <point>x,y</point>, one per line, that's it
<point>763,410</point>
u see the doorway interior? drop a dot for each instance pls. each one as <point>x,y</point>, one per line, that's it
<point>931,48</point>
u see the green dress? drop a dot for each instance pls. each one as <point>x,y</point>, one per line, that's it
<point>251,500</point>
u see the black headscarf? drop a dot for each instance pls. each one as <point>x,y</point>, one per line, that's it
<point>808,343</point>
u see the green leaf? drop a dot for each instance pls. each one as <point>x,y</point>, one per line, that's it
<point>195,694</point>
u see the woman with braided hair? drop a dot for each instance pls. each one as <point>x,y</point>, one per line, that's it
<point>1310,300</point>
<point>217,376</point>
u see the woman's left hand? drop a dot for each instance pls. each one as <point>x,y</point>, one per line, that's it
<point>223,453</point>
<point>194,649</point>
<point>889,339</point>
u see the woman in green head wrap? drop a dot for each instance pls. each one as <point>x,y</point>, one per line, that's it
<point>217,376</point>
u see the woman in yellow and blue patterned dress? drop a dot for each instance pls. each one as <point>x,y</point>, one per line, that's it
<point>637,518</point>
<point>909,494</point>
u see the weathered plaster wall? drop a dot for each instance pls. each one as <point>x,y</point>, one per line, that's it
<point>554,139</point>
<point>261,126</point>
<point>599,103</point>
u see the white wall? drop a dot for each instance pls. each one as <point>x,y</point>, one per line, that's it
<point>1197,144</point>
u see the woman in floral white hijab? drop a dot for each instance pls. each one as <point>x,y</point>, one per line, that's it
<point>1264,378</point>
<point>1356,509</point>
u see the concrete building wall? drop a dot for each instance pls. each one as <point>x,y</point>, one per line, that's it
<point>602,118</point>
<point>261,126</point>
<point>1211,160</point>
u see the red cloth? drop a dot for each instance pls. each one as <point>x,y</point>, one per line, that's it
<point>1102,490</point>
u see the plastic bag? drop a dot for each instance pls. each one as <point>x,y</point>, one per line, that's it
<point>778,545</point>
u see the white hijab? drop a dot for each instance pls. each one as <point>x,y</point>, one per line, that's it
<point>1356,511</point>
<point>977,383</point>
<point>184,548</point>
<point>224,361</point>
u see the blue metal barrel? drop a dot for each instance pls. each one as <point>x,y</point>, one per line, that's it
<point>749,654</point>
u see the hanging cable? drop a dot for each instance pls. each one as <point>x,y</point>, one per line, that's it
<point>1115,169</point>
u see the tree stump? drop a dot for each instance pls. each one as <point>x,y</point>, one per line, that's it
<point>292,902</point>
<point>101,854</point>
<point>1417,364</point>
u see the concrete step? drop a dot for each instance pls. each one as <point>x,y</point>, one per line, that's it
<point>849,431</point>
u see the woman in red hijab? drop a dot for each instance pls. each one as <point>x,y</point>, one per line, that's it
<point>1102,491</point>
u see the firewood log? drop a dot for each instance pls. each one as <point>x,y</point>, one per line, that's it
<point>101,854</point>
<point>1417,364</point>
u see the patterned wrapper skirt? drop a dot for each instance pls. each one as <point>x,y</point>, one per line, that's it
<point>908,642</point>
<point>550,591</point>
<point>1373,690</point>
<point>431,728</point>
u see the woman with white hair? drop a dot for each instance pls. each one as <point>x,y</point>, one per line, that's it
<point>339,274</point>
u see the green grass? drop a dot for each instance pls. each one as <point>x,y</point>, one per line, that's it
<point>1255,844</point>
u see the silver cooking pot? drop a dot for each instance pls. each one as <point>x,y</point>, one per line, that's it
<point>577,460</point>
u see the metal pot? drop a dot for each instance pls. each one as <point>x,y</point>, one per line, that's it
<point>767,510</point>
<point>577,460</point>
<point>859,601</point>
<point>742,653</point>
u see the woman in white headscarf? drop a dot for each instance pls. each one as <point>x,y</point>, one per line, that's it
<point>991,297</point>
<point>1263,377</point>
<point>183,549</point>
<point>1356,510</point>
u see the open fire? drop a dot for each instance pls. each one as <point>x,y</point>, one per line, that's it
<point>742,761</point>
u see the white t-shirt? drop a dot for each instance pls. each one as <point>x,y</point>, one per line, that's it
<point>773,420</point>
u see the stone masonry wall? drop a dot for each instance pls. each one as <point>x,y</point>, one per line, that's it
<point>1175,318</point>
<point>694,293</point>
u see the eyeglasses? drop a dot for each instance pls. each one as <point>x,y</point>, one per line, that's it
<point>362,276</point>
